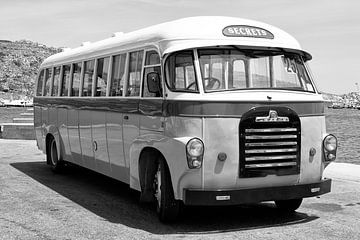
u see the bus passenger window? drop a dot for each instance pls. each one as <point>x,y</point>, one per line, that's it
<point>76,79</point>
<point>48,75</point>
<point>118,75</point>
<point>180,72</point>
<point>152,58</point>
<point>133,86</point>
<point>40,83</point>
<point>101,76</point>
<point>55,88</point>
<point>65,80</point>
<point>88,76</point>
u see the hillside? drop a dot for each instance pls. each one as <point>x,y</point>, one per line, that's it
<point>19,64</point>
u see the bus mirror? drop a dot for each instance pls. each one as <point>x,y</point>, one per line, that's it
<point>153,82</point>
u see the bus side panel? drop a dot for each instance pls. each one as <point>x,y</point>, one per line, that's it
<point>64,136</point>
<point>130,133</point>
<point>85,123</point>
<point>74,137</point>
<point>100,142</point>
<point>40,138</point>
<point>114,132</point>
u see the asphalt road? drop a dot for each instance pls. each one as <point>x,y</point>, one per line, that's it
<point>80,204</point>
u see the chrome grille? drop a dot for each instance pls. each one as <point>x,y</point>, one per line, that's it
<point>269,148</point>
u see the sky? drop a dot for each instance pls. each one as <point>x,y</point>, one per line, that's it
<point>328,29</point>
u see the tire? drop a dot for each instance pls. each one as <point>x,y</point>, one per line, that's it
<point>168,208</point>
<point>288,205</point>
<point>57,165</point>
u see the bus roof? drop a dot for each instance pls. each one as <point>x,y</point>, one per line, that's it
<point>186,33</point>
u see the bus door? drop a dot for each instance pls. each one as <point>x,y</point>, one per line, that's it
<point>85,117</point>
<point>114,119</point>
<point>150,106</point>
<point>98,117</point>
<point>73,115</point>
<point>131,118</point>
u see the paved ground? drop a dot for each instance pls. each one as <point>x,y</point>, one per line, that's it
<point>79,204</point>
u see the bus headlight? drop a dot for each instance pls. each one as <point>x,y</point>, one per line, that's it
<point>194,153</point>
<point>330,147</point>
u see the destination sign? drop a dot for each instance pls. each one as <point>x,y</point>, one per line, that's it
<point>246,31</point>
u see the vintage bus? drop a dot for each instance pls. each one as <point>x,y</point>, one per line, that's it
<point>197,111</point>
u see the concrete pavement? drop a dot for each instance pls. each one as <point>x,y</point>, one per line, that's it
<point>80,204</point>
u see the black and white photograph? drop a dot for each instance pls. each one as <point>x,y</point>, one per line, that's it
<point>179,119</point>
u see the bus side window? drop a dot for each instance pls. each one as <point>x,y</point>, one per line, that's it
<point>65,80</point>
<point>152,64</point>
<point>48,76</point>
<point>180,72</point>
<point>88,76</point>
<point>55,88</point>
<point>101,76</point>
<point>76,79</point>
<point>118,75</point>
<point>40,83</point>
<point>135,65</point>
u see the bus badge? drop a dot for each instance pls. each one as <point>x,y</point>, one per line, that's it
<point>272,117</point>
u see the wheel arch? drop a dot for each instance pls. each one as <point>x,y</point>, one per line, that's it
<point>169,148</point>
<point>53,133</point>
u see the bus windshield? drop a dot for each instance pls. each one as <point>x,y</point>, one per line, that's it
<point>233,69</point>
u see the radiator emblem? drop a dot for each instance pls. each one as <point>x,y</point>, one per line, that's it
<point>272,117</point>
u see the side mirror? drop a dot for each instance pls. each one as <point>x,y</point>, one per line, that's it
<point>153,82</point>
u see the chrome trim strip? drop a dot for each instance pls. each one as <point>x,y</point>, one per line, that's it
<point>266,130</point>
<point>265,158</point>
<point>279,150</point>
<point>267,144</point>
<point>270,137</point>
<point>267,165</point>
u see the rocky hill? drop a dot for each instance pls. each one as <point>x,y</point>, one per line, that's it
<point>19,64</point>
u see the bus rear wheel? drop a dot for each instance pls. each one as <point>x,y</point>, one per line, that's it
<point>168,208</point>
<point>288,205</point>
<point>56,164</point>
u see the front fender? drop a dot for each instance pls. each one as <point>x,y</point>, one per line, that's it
<point>174,152</point>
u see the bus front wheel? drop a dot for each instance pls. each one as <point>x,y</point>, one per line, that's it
<point>53,159</point>
<point>288,205</point>
<point>168,208</point>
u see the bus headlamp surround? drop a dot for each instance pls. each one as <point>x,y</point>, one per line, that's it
<point>194,153</point>
<point>330,146</point>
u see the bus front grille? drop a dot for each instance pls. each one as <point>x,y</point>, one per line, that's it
<point>269,148</point>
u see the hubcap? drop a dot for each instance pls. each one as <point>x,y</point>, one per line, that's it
<point>157,186</point>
